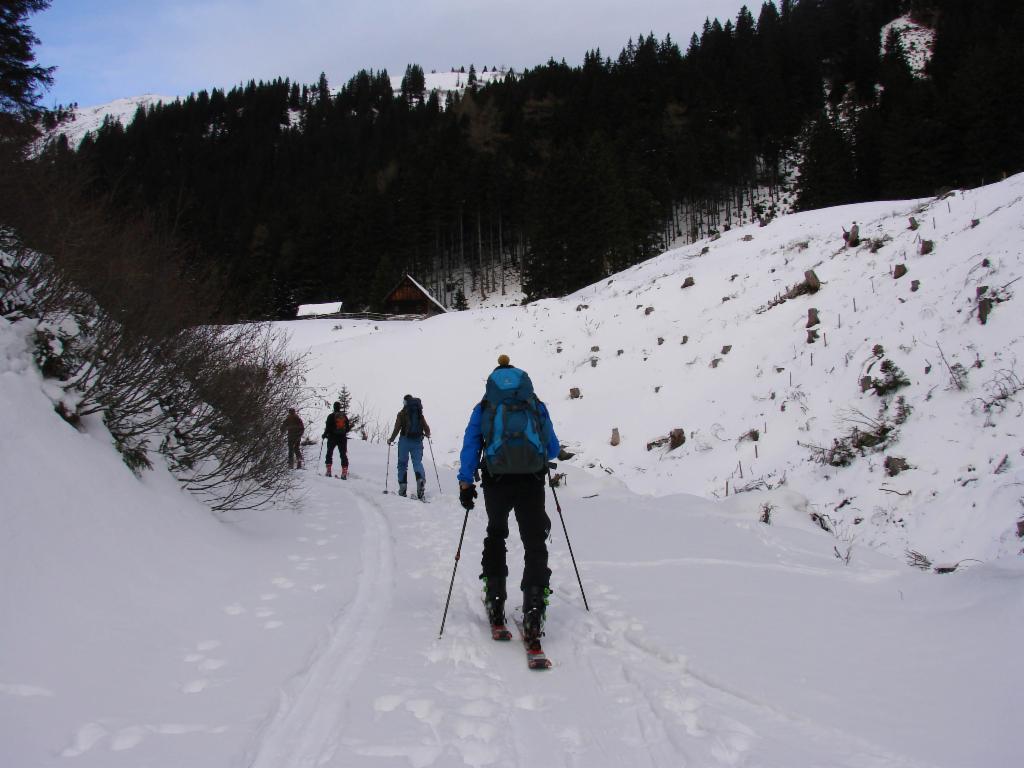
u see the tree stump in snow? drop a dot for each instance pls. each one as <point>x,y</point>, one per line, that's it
<point>676,438</point>
<point>913,224</point>
<point>852,237</point>
<point>915,284</point>
<point>811,281</point>
<point>615,436</point>
<point>894,465</point>
<point>899,271</point>
<point>812,335</point>
<point>985,309</point>
<point>648,310</point>
<point>812,318</point>
<point>687,282</point>
<point>715,362</point>
<point>574,393</point>
<point>726,349</point>
<point>927,246</point>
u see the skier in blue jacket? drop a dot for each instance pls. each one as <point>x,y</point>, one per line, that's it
<point>512,458</point>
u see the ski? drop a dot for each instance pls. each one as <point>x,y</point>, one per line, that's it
<point>535,656</point>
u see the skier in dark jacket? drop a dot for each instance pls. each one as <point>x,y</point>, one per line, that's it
<point>521,489</point>
<point>294,427</point>
<point>412,427</point>
<point>336,433</point>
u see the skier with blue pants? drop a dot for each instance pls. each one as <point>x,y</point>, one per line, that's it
<point>412,428</point>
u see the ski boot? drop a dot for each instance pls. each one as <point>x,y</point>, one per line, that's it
<point>421,487</point>
<point>494,598</point>
<point>494,602</point>
<point>328,472</point>
<point>535,600</point>
<point>401,489</point>
<point>344,473</point>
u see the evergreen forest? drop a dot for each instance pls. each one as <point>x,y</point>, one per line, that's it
<point>560,175</point>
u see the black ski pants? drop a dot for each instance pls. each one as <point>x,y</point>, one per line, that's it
<point>294,449</point>
<point>523,494</point>
<point>342,442</point>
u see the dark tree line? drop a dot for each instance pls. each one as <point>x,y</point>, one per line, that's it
<point>295,194</point>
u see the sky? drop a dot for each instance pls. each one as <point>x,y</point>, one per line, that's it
<point>111,49</point>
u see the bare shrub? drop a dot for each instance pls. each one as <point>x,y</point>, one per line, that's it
<point>1002,390</point>
<point>123,331</point>
<point>865,435</point>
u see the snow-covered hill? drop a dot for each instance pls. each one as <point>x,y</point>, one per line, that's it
<point>85,120</point>
<point>722,359</point>
<point>141,630</point>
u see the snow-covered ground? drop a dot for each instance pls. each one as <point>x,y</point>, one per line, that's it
<point>139,629</point>
<point>917,41</point>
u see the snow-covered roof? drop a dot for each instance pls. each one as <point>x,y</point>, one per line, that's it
<point>312,310</point>
<point>428,294</point>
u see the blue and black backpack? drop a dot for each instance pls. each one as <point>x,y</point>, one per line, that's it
<point>413,417</point>
<point>515,433</point>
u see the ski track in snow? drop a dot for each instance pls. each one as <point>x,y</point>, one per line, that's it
<point>304,729</point>
<point>364,698</point>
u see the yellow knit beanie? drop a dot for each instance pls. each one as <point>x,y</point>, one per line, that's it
<point>503,360</point>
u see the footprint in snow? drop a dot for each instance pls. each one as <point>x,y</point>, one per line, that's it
<point>87,737</point>
<point>127,738</point>
<point>234,609</point>
<point>195,686</point>
<point>18,689</point>
<point>282,583</point>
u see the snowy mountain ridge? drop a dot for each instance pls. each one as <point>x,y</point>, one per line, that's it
<point>84,120</point>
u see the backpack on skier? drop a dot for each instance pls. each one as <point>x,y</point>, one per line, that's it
<point>515,432</point>
<point>413,417</point>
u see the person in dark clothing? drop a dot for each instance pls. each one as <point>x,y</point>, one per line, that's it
<point>513,476</point>
<point>412,427</point>
<point>336,433</point>
<point>294,428</point>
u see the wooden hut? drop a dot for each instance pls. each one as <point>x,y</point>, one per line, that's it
<point>411,298</point>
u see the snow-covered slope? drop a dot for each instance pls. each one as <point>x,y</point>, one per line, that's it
<point>649,356</point>
<point>87,119</point>
<point>141,630</point>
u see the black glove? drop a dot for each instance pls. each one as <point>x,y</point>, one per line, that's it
<point>466,495</point>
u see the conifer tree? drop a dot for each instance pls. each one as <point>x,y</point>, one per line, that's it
<point>21,79</point>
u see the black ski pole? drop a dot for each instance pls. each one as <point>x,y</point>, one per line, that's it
<point>387,469</point>
<point>458,553</point>
<point>319,455</point>
<point>435,465</point>
<point>558,506</point>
